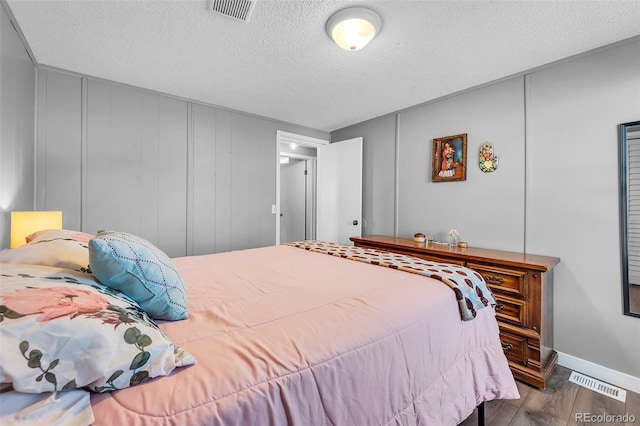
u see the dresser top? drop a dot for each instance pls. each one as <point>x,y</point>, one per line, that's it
<point>507,258</point>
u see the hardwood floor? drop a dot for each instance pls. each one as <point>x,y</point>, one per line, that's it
<point>562,404</point>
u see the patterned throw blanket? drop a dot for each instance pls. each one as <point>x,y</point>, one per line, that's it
<point>471,291</point>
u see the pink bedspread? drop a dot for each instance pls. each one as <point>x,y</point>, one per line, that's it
<point>286,336</point>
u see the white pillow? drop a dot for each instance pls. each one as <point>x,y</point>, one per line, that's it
<point>53,247</point>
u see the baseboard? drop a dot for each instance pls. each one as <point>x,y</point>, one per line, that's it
<point>599,372</point>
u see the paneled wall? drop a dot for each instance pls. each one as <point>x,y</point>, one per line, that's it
<point>378,172</point>
<point>136,165</point>
<point>188,177</point>
<point>59,155</point>
<point>17,109</point>
<point>554,193</point>
<point>234,174</point>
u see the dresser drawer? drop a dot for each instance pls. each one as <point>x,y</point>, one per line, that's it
<point>438,259</point>
<point>417,254</point>
<point>511,310</point>
<point>508,281</point>
<point>515,347</point>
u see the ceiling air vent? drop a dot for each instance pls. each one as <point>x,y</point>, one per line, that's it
<point>240,10</point>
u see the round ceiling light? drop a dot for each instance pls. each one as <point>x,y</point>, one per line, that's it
<point>353,28</point>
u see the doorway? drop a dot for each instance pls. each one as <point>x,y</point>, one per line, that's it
<point>294,148</point>
<point>334,179</point>
<point>297,197</point>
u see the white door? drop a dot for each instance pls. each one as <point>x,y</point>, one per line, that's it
<point>339,190</point>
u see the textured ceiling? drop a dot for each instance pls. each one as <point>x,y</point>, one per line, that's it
<point>282,64</point>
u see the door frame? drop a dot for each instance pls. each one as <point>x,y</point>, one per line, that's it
<point>288,138</point>
<point>312,165</point>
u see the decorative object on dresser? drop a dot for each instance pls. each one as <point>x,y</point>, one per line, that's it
<point>419,237</point>
<point>454,237</point>
<point>522,285</point>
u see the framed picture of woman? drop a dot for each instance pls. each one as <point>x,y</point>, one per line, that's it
<point>449,158</point>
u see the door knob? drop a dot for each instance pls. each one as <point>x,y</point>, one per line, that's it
<point>355,223</point>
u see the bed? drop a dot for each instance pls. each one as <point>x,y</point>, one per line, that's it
<point>294,335</point>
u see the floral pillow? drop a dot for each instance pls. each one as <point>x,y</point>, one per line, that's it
<point>53,247</point>
<point>61,330</point>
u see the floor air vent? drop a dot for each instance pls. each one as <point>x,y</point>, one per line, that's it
<point>240,10</point>
<point>598,386</point>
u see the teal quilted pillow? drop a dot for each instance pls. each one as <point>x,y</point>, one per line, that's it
<point>140,270</point>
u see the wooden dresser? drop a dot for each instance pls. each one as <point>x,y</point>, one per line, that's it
<point>522,285</point>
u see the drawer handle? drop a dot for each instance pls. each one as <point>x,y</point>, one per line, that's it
<point>499,306</point>
<point>492,279</point>
<point>506,346</point>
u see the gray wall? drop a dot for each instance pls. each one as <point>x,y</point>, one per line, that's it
<point>555,192</point>
<point>488,208</point>
<point>136,165</point>
<point>378,172</point>
<point>572,198</point>
<point>59,154</point>
<point>17,109</point>
<point>188,177</point>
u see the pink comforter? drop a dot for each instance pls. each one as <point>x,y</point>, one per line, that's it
<point>286,336</point>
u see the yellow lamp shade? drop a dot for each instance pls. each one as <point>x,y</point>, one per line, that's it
<point>26,223</point>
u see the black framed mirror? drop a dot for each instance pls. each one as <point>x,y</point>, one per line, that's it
<point>629,168</point>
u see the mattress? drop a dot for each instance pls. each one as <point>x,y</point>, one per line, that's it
<point>287,336</point>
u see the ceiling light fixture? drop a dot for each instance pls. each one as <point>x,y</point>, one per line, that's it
<point>353,28</point>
